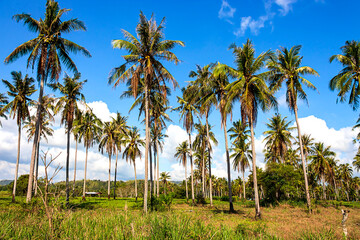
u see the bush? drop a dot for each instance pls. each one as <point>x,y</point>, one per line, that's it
<point>160,203</point>
<point>200,199</point>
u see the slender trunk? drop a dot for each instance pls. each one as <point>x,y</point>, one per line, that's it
<point>147,142</point>
<point>157,166</point>
<point>76,146</point>
<point>37,168</point>
<point>136,195</point>
<point>256,191</point>
<point>203,171</point>
<point>192,172</point>
<point>155,172</point>
<point>17,163</point>
<point>186,186</point>
<point>347,191</point>
<point>84,188</point>
<point>117,153</point>
<point>36,140</point>
<point>244,185</point>
<point>208,147</point>
<point>323,186</point>
<point>67,163</point>
<point>228,167</point>
<point>151,172</point>
<point>109,176</point>
<point>336,190</point>
<point>303,162</point>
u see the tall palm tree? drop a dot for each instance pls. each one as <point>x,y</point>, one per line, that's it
<point>165,177</point>
<point>68,105</point>
<point>187,111</point>
<point>122,131</point>
<point>307,143</point>
<point>320,162</point>
<point>286,67</point>
<point>252,92</point>
<point>278,137</point>
<point>3,103</point>
<point>77,121</point>
<point>145,61</point>
<point>345,172</point>
<point>47,51</point>
<point>346,82</point>
<point>356,162</point>
<point>181,152</point>
<point>20,91</point>
<point>241,149</point>
<point>107,141</point>
<point>132,151</point>
<point>88,129</point>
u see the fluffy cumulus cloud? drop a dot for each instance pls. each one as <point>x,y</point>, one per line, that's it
<point>253,24</point>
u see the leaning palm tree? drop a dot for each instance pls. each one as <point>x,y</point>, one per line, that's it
<point>108,142</point>
<point>278,138</point>
<point>88,129</point>
<point>47,51</point>
<point>20,91</point>
<point>320,163</point>
<point>187,111</point>
<point>252,92</point>
<point>181,152</point>
<point>132,151</point>
<point>346,82</point>
<point>165,177</point>
<point>286,67</point>
<point>3,103</point>
<point>145,61</point>
<point>68,105</point>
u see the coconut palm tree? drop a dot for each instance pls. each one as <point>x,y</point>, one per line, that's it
<point>20,91</point>
<point>132,151</point>
<point>345,173</point>
<point>68,105</point>
<point>278,138</point>
<point>181,152</point>
<point>3,103</point>
<point>241,149</point>
<point>286,67</point>
<point>165,177</point>
<point>89,130</point>
<point>320,162</point>
<point>145,61</point>
<point>346,82</point>
<point>307,143</point>
<point>356,162</point>
<point>252,92</point>
<point>77,121</point>
<point>122,131</point>
<point>187,111</point>
<point>47,51</point>
<point>107,141</point>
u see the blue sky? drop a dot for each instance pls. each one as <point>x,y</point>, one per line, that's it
<point>207,28</point>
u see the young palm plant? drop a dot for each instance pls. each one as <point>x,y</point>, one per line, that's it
<point>20,91</point>
<point>47,51</point>
<point>68,105</point>
<point>144,60</point>
<point>165,177</point>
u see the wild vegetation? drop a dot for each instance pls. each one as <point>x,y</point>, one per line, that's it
<point>303,180</point>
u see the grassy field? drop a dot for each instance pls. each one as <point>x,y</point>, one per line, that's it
<point>99,218</point>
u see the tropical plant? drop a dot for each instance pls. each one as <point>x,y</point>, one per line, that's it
<point>133,142</point>
<point>307,143</point>
<point>345,172</point>
<point>20,91</point>
<point>47,51</point>
<point>181,152</point>
<point>286,67</point>
<point>3,102</point>
<point>145,56</point>
<point>165,177</point>
<point>68,105</point>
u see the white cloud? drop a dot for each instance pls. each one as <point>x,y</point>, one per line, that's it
<point>101,110</point>
<point>252,24</point>
<point>285,5</point>
<point>226,11</point>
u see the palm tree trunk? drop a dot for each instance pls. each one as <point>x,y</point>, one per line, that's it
<point>17,163</point>
<point>136,193</point>
<point>37,157</point>
<point>147,143</point>
<point>347,191</point>
<point>151,172</point>
<point>243,173</point>
<point>67,163</point>
<point>117,153</point>
<point>303,162</point>
<point>256,191</point>
<point>192,172</point>
<point>228,166</point>
<point>323,186</point>
<point>109,176</point>
<point>76,146</point>
<point>186,186</point>
<point>84,188</point>
<point>157,170</point>
<point>36,140</point>
<point>208,147</point>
